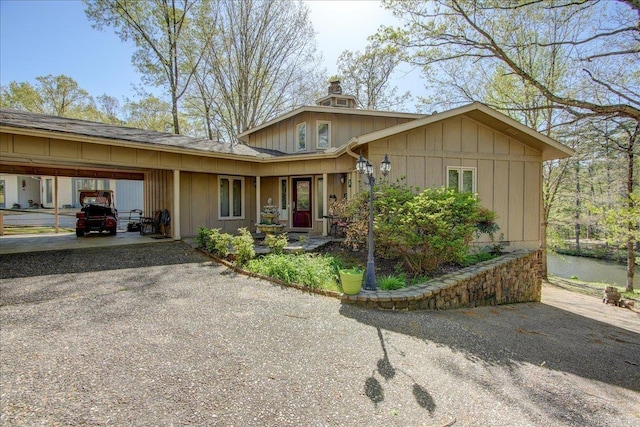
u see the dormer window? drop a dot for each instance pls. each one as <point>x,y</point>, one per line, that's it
<point>323,134</point>
<point>301,136</point>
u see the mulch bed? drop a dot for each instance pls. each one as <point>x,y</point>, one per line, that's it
<point>384,266</point>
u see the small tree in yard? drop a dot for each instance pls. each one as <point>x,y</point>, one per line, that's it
<point>424,230</point>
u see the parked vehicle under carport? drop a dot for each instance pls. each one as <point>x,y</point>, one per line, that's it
<point>98,213</point>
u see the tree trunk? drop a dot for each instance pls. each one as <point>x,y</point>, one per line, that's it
<point>174,113</point>
<point>543,247</point>
<point>577,212</point>
<point>631,259</point>
<point>631,265</point>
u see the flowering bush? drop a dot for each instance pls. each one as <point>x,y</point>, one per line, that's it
<point>424,229</point>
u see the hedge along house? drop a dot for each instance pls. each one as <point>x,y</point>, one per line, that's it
<point>301,160</point>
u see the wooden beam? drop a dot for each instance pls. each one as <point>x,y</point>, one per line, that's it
<point>71,172</point>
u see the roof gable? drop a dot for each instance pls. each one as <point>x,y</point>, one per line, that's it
<point>331,110</point>
<point>548,147</point>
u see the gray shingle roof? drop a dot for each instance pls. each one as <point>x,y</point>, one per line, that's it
<point>67,126</point>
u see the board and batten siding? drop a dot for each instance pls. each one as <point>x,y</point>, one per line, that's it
<point>508,173</point>
<point>200,209</point>
<point>158,192</point>
<point>281,136</point>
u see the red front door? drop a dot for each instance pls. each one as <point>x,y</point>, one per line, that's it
<point>302,208</point>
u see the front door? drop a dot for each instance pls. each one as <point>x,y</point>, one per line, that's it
<point>302,209</point>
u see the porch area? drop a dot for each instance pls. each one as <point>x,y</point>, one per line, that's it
<point>298,242</point>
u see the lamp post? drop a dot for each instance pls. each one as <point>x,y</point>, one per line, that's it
<point>364,167</point>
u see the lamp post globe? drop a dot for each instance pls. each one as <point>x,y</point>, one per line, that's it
<point>361,164</point>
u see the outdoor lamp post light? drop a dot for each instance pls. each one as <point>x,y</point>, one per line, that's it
<point>364,167</point>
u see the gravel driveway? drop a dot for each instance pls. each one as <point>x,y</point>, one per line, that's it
<point>170,338</point>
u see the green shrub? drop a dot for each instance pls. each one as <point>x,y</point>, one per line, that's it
<point>219,243</point>
<point>485,222</point>
<point>276,243</point>
<point>390,283</point>
<point>243,246</point>
<point>424,229</point>
<point>202,237</point>
<point>213,241</point>
<point>307,269</point>
<point>387,198</point>
<point>434,228</point>
<point>477,257</point>
<point>417,280</point>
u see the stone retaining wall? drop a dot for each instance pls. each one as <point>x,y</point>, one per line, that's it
<point>511,278</point>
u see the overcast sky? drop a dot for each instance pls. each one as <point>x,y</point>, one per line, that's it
<point>41,37</point>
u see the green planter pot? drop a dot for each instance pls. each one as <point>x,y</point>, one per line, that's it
<point>351,280</point>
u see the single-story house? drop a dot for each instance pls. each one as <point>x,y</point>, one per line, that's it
<point>300,160</point>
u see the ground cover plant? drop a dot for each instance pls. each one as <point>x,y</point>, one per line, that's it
<point>310,270</point>
<point>391,282</point>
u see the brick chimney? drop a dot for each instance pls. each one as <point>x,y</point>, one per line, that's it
<point>335,98</point>
<point>335,88</point>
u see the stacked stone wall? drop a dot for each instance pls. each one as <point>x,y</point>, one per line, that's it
<point>510,278</point>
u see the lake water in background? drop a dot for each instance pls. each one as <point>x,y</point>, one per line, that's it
<point>590,269</point>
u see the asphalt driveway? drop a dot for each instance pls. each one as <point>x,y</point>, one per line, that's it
<point>169,338</point>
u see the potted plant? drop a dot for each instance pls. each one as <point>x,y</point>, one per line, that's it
<point>351,280</point>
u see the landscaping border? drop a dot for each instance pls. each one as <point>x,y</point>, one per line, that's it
<point>511,278</point>
<point>240,270</point>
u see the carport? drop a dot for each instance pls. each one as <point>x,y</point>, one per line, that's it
<point>37,170</point>
<point>35,144</point>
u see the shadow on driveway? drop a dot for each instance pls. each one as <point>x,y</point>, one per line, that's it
<point>512,335</point>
